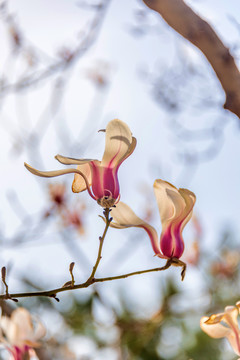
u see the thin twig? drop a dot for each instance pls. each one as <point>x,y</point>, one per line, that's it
<point>101,239</point>
<point>90,281</point>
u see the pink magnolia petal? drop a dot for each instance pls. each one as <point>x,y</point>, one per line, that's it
<point>214,326</point>
<point>214,330</point>
<point>59,173</point>
<point>72,161</point>
<point>110,182</point>
<point>10,329</point>
<point>234,340</point>
<point>170,202</point>
<point>110,175</point>
<point>49,174</point>
<point>230,318</point>
<point>117,144</point>
<point>171,206</point>
<point>129,152</point>
<point>79,184</point>
<point>175,207</point>
<point>97,179</point>
<point>22,319</point>
<point>190,199</point>
<point>166,242</point>
<point>178,243</point>
<point>124,217</point>
<point>20,332</point>
<point>104,181</point>
<point>215,319</point>
<point>179,223</point>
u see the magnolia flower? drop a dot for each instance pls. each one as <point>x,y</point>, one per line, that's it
<point>175,207</point>
<point>224,325</point>
<point>19,334</point>
<point>100,175</point>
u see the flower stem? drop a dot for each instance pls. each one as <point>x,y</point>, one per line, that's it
<point>106,213</point>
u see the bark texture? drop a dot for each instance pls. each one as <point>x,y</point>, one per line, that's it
<point>193,28</point>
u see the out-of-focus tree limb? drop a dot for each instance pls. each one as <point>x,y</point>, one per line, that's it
<point>191,26</point>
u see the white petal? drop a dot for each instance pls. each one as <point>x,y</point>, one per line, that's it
<point>49,173</point>
<point>71,161</point>
<point>170,203</point>
<point>124,217</point>
<point>79,184</point>
<point>118,143</point>
<point>22,319</point>
<point>214,330</point>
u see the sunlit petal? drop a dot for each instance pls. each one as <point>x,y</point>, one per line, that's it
<point>180,221</point>
<point>118,143</point>
<point>49,173</point>
<point>231,314</point>
<point>58,173</point>
<point>22,319</point>
<point>71,161</point>
<point>190,199</point>
<point>175,208</point>
<point>124,217</point>
<point>216,330</point>
<point>101,176</point>
<point>129,152</point>
<point>170,202</point>
<point>214,326</point>
<point>9,329</point>
<point>20,332</point>
<point>171,206</point>
<point>79,184</point>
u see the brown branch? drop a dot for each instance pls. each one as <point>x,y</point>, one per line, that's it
<point>90,281</point>
<point>196,30</point>
<point>70,285</point>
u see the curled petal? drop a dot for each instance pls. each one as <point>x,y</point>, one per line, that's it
<point>175,208</point>
<point>58,173</point>
<point>230,318</point>
<point>23,321</point>
<point>118,143</point>
<point>129,152</point>
<point>19,329</point>
<point>170,202</point>
<point>10,329</point>
<point>179,223</point>
<point>49,173</point>
<point>101,176</point>
<point>71,161</point>
<point>79,183</point>
<point>124,217</point>
<point>214,330</point>
<point>214,326</point>
<point>190,199</point>
<point>171,205</point>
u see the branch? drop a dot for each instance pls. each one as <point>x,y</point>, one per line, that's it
<point>196,30</point>
<point>90,281</point>
<point>70,285</point>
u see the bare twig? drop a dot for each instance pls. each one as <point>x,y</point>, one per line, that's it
<point>7,295</point>
<point>92,280</point>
